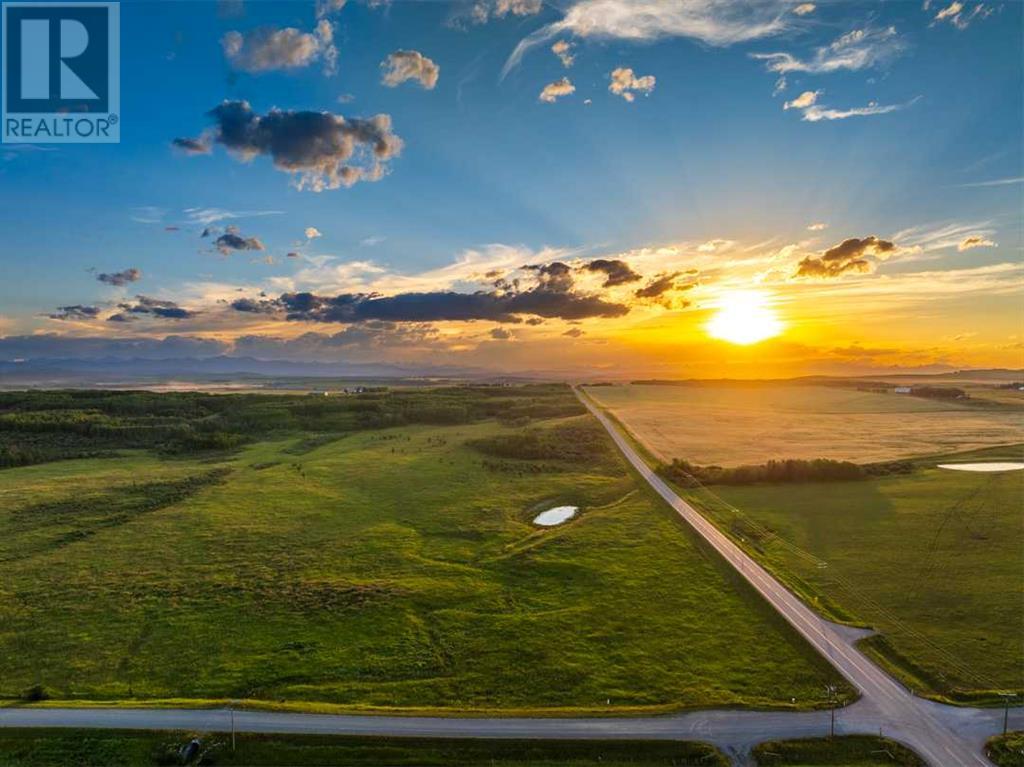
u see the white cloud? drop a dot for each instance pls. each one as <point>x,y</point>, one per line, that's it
<point>713,22</point>
<point>804,8</point>
<point>859,49</point>
<point>953,234</point>
<point>554,91</point>
<point>267,49</point>
<point>626,84</point>
<point>997,182</point>
<point>563,49</point>
<point>401,66</point>
<point>804,100</point>
<point>817,113</point>
<point>816,227</point>
<point>312,233</point>
<point>207,216</point>
<point>954,14</point>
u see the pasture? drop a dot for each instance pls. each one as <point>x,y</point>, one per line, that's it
<point>736,424</point>
<point>390,564</point>
<point>931,559</point>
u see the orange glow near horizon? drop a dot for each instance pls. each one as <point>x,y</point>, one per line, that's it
<point>744,317</point>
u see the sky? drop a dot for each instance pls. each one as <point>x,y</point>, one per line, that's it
<point>707,188</point>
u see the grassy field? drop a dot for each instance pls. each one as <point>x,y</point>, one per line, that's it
<point>377,569</point>
<point>125,748</point>
<point>847,751</point>
<point>931,559</point>
<point>1007,750</point>
<point>730,425</point>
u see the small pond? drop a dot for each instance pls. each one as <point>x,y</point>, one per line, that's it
<point>555,516</point>
<point>992,466</point>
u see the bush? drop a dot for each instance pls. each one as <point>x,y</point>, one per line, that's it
<point>687,474</point>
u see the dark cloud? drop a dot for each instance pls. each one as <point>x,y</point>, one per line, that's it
<point>573,333</point>
<point>500,334</point>
<point>254,306</point>
<point>120,278</point>
<point>232,239</point>
<point>554,277</point>
<point>192,145</point>
<point>659,286</point>
<point>848,256</point>
<point>75,312</point>
<point>157,308</point>
<point>121,317</point>
<point>323,150</point>
<point>616,272</point>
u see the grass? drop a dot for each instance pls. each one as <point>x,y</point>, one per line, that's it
<point>930,559</point>
<point>1006,750</point>
<point>731,425</point>
<point>124,748</point>
<point>393,570</point>
<point>847,751</point>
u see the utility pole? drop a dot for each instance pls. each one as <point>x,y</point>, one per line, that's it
<point>231,707</point>
<point>1006,709</point>
<point>830,689</point>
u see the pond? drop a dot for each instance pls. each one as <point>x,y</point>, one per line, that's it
<point>555,516</point>
<point>991,466</point>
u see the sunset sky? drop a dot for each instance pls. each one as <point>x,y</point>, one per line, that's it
<point>588,187</point>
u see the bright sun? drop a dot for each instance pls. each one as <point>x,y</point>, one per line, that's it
<point>744,317</point>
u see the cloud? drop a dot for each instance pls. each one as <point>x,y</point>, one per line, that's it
<point>804,8</point>
<point>483,11</point>
<point>816,227</point>
<point>501,334</point>
<point>969,243</point>
<point>713,22</point>
<point>563,50</point>
<point>312,233</point>
<point>75,312</point>
<point>371,241</point>
<point>401,66</point>
<point>804,100</point>
<point>818,113</point>
<point>573,333</point>
<point>713,246</point>
<point>207,216</point>
<point>233,240</point>
<point>624,83</point>
<point>120,278</point>
<point>996,182</point>
<point>268,49</point>
<point>325,8</point>
<point>856,50</point>
<point>616,272</point>
<point>848,256</point>
<point>553,91</point>
<point>192,145</point>
<point>322,150</point>
<point>954,14</point>
<point>157,308</point>
<point>944,236</point>
<point>659,286</point>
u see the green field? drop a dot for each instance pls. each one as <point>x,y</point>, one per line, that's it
<point>844,751</point>
<point>734,424</point>
<point>372,567</point>
<point>125,748</point>
<point>1006,750</point>
<point>932,560</point>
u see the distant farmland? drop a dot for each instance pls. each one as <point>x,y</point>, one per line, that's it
<point>730,425</point>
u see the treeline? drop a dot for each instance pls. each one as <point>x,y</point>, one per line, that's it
<point>40,426</point>
<point>575,441</point>
<point>792,470</point>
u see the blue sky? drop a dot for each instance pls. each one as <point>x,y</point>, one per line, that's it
<point>708,153</point>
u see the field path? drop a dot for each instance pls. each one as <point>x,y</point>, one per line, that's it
<point>946,736</point>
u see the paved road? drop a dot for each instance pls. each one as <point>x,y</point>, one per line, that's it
<point>946,736</point>
<point>943,735</point>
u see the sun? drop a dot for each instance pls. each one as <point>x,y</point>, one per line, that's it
<point>744,317</point>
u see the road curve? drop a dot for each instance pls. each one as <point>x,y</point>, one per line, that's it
<point>938,733</point>
<point>946,736</point>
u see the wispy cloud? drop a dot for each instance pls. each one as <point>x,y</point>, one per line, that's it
<point>207,216</point>
<point>816,113</point>
<point>858,49</point>
<point>996,182</point>
<point>713,22</point>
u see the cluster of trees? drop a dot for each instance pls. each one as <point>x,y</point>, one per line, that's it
<point>39,426</point>
<point>687,474</point>
<point>574,441</point>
